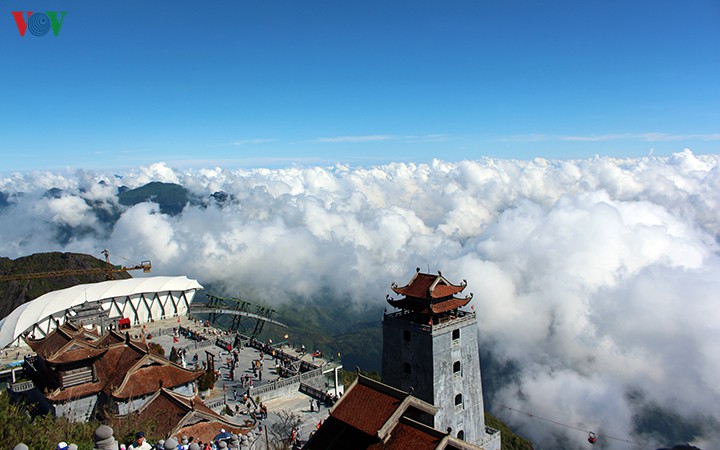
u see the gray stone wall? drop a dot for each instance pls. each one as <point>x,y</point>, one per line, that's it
<point>424,357</point>
<point>468,416</point>
<point>76,410</point>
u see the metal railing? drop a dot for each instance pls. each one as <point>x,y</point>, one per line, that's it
<point>215,402</point>
<point>297,379</point>
<point>450,321</point>
<point>22,386</point>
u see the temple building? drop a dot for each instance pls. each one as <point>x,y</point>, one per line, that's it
<point>373,415</point>
<point>430,348</point>
<point>80,374</point>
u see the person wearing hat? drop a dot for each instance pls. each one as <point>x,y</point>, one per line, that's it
<point>140,442</point>
<point>62,446</point>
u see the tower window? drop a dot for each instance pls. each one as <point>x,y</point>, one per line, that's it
<point>406,335</point>
<point>455,335</point>
<point>461,435</point>
<point>407,370</point>
<point>456,368</point>
<point>458,401</point>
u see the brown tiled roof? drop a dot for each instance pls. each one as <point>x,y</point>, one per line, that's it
<point>172,412</point>
<point>73,392</point>
<point>202,422</point>
<point>425,308</point>
<point>74,352</point>
<point>337,435</point>
<point>113,337</point>
<point>149,379</point>
<point>373,416</point>
<point>410,436</point>
<point>117,369</point>
<point>366,409</point>
<point>50,343</point>
<point>426,286</point>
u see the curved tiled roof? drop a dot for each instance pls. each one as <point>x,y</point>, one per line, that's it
<point>427,286</point>
<point>434,308</point>
<point>52,303</point>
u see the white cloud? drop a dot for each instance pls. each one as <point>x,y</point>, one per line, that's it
<point>595,277</point>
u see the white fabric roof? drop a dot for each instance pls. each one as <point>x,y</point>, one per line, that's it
<point>32,312</point>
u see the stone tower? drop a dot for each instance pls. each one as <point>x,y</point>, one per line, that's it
<point>430,346</point>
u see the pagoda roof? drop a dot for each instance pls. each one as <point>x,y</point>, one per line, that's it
<point>432,308</point>
<point>67,343</point>
<point>124,368</point>
<point>429,287</point>
<point>151,373</point>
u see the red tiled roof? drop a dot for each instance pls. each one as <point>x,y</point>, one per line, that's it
<point>50,343</point>
<point>449,305</point>
<point>204,423</point>
<point>113,337</point>
<point>366,409</point>
<point>78,353</point>
<point>206,431</point>
<point>425,308</point>
<point>73,392</point>
<point>147,380</point>
<point>375,416</point>
<point>115,367</point>
<point>408,437</point>
<point>426,286</point>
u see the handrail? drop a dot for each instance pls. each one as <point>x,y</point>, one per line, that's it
<point>22,386</point>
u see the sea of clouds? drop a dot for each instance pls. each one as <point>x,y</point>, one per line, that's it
<point>597,279</point>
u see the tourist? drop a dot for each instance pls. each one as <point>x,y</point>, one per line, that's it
<point>62,446</point>
<point>140,442</point>
<point>312,405</point>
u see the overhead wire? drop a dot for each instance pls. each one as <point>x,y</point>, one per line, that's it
<point>555,422</point>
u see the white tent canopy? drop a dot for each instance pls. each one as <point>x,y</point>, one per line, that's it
<point>139,299</point>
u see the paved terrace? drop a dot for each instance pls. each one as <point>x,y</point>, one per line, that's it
<point>230,391</point>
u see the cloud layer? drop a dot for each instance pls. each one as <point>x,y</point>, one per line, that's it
<point>597,279</point>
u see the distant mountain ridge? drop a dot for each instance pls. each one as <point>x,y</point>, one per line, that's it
<point>16,292</point>
<point>171,198</point>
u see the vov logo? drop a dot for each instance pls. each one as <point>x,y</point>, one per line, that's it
<point>39,23</point>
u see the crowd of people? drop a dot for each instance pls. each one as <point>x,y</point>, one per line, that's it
<point>284,367</point>
<point>103,439</point>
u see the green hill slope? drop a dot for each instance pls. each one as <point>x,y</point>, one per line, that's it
<point>15,293</point>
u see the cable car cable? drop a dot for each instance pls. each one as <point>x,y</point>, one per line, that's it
<point>604,436</point>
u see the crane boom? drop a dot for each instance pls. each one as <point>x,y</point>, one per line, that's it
<point>109,270</point>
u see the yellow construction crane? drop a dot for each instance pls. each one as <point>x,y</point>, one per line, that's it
<point>109,270</point>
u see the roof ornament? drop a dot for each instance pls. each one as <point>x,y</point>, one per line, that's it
<point>417,269</point>
<point>393,285</point>
<point>440,272</point>
<point>464,283</point>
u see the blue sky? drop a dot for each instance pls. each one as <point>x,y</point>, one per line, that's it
<point>249,83</point>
